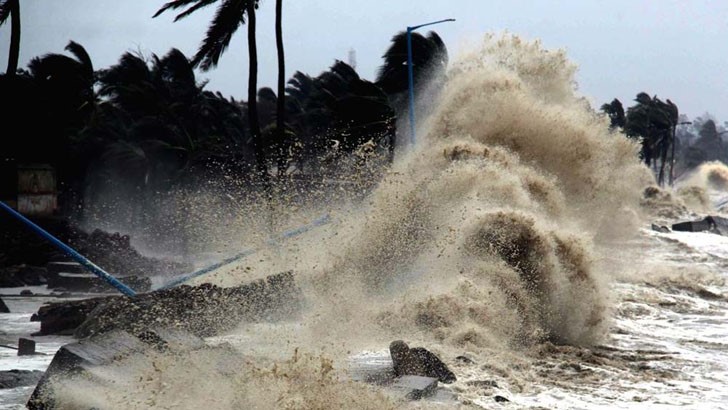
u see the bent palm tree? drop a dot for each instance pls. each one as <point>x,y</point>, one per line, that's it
<point>615,111</point>
<point>11,8</point>
<point>230,15</point>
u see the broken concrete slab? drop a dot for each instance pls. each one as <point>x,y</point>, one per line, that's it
<point>415,387</point>
<point>101,350</point>
<point>712,223</point>
<point>76,357</point>
<point>692,226</point>
<point>89,282</point>
<point>74,277</point>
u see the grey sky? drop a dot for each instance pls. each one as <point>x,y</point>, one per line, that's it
<point>674,49</point>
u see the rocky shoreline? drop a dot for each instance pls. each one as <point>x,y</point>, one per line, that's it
<point>25,256</point>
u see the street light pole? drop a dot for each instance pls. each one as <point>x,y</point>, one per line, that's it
<point>410,75</point>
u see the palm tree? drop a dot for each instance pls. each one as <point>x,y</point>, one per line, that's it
<point>281,101</point>
<point>615,111</point>
<point>64,101</point>
<point>652,121</point>
<point>11,8</point>
<point>163,103</point>
<point>428,54</point>
<point>230,15</point>
<point>338,109</point>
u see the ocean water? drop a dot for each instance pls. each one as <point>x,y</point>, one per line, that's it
<point>17,324</point>
<point>516,235</point>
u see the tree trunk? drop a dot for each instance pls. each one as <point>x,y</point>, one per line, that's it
<point>14,37</point>
<point>281,102</point>
<point>672,157</point>
<point>663,159</point>
<point>255,133</point>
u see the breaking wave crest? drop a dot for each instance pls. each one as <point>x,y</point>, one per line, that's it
<point>712,175</point>
<point>495,215</point>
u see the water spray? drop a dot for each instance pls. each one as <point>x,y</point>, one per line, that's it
<point>270,242</point>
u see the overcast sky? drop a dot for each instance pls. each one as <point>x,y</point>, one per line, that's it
<point>674,49</point>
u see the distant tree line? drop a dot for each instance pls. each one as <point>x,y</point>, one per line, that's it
<point>671,143</point>
<point>152,122</point>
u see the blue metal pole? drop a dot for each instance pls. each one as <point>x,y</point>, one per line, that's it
<point>410,75</point>
<point>411,79</point>
<point>272,241</point>
<point>71,252</point>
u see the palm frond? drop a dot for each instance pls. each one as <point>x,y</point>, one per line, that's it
<point>82,56</point>
<point>6,7</point>
<point>176,68</point>
<point>52,65</point>
<point>230,15</point>
<point>178,4</point>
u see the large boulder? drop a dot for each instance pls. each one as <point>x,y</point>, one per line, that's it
<point>418,361</point>
<point>62,318</point>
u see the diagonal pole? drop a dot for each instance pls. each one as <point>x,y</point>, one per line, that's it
<point>270,242</point>
<point>70,252</point>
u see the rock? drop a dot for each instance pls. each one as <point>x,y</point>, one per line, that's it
<point>500,399</point>
<point>26,292</point>
<point>706,294</point>
<point>418,361</point>
<point>483,383</point>
<point>33,275</point>
<point>62,318</point>
<point>3,307</point>
<point>415,387</point>
<point>9,277</point>
<point>26,347</point>
<point>660,228</point>
<point>22,275</point>
<point>10,379</point>
<point>20,247</point>
<point>465,359</point>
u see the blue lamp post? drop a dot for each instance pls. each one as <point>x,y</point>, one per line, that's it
<point>410,74</point>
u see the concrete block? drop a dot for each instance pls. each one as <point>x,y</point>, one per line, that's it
<point>26,347</point>
<point>415,387</point>
<point>101,350</point>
